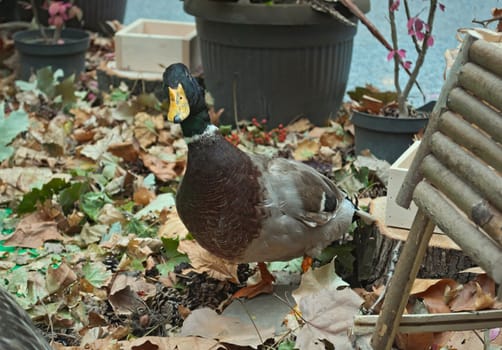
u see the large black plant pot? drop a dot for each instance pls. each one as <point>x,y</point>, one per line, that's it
<point>98,12</point>
<point>34,53</point>
<point>273,61</point>
<point>387,137</point>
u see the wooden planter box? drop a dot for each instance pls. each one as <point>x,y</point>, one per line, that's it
<point>396,216</point>
<point>148,45</point>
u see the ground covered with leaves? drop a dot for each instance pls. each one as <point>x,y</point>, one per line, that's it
<point>92,247</point>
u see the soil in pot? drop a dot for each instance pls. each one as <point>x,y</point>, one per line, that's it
<point>34,53</point>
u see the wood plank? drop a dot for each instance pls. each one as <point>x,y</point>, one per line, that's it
<point>476,112</point>
<point>458,321</point>
<point>481,248</point>
<point>486,181</point>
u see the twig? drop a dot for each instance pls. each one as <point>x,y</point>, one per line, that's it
<point>423,51</point>
<point>376,33</point>
<point>252,321</point>
<point>390,273</point>
<point>485,22</point>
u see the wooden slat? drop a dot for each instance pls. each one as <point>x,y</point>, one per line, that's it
<point>487,55</point>
<point>487,182</point>
<point>482,83</point>
<point>474,243</point>
<point>458,321</point>
<point>464,197</point>
<point>400,284</point>
<point>476,112</point>
<point>462,133</point>
<point>413,176</point>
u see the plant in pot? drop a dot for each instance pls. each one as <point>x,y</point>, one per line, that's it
<point>56,46</point>
<point>385,122</point>
<point>275,60</point>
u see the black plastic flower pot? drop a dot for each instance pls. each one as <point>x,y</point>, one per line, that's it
<point>386,137</point>
<point>34,53</point>
<point>97,12</point>
<point>277,62</point>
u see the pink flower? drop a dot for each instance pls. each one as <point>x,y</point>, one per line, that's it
<point>395,5</point>
<point>407,64</point>
<point>441,7</point>
<point>401,53</point>
<point>430,41</point>
<point>59,9</point>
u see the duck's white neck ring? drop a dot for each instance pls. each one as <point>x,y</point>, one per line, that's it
<point>210,131</point>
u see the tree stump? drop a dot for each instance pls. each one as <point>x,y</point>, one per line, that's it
<point>375,246</point>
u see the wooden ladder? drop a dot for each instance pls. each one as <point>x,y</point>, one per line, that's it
<point>456,182</point>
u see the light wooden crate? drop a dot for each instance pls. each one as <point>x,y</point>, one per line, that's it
<point>148,45</point>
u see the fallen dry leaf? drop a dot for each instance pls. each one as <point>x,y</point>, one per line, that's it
<point>172,226</point>
<point>300,125</point>
<point>143,196</point>
<point>128,151</point>
<point>32,231</point>
<point>125,291</point>
<point>161,169</point>
<point>59,278</point>
<point>203,261</point>
<point>435,296</point>
<point>306,149</point>
<point>171,343</point>
<point>208,324</point>
<point>146,126</point>
<point>328,305</point>
<point>474,297</point>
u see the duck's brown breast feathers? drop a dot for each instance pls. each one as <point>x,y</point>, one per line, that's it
<point>220,196</point>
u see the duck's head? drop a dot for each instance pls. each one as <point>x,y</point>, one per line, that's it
<point>186,97</point>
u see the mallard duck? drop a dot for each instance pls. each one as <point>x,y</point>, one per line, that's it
<point>17,330</point>
<point>245,207</point>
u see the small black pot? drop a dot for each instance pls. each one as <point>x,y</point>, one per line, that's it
<point>35,54</point>
<point>386,137</point>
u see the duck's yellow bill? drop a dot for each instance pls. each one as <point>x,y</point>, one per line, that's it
<point>179,109</point>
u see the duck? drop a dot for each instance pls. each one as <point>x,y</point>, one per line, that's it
<point>18,331</point>
<point>246,207</point>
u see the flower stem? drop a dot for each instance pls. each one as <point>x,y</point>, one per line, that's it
<point>423,50</point>
<point>403,111</point>
<point>37,20</point>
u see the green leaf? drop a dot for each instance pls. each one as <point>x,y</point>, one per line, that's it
<point>67,90</point>
<point>70,195</point>
<point>46,82</point>
<point>30,199</point>
<point>147,100</point>
<point>119,95</point>
<point>171,253</point>
<point>170,247</point>
<point>92,202</point>
<point>162,201</point>
<point>96,274</point>
<point>286,345</point>
<point>12,126</point>
<point>169,266</point>
<point>5,152</point>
